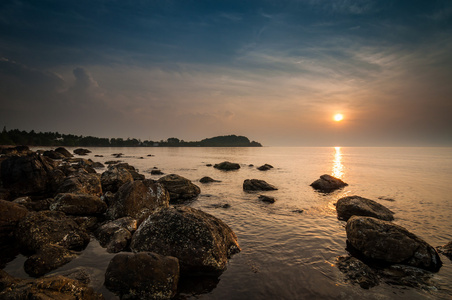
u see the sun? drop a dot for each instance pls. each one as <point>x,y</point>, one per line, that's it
<point>338,117</point>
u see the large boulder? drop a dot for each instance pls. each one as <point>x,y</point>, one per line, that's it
<point>200,241</point>
<point>136,199</point>
<point>143,275</point>
<point>63,151</point>
<point>250,185</point>
<point>132,170</point>
<point>10,215</point>
<point>48,258</point>
<point>50,227</point>
<point>382,240</point>
<point>179,188</point>
<point>81,183</point>
<point>81,151</point>
<point>114,178</point>
<point>78,204</point>
<point>53,154</point>
<point>328,184</point>
<point>358,206</point>
<point>116,235</point>
<point>227,166</point>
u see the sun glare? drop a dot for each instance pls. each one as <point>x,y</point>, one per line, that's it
<point>338,117</point>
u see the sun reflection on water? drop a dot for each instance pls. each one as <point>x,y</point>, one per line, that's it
<point>338,167</point>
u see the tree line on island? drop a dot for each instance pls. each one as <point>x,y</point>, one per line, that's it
<point>32,138</point>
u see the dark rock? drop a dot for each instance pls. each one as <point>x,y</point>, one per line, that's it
<point>150,155</point>
<point>220,205</point>
<point>39,205</point>
<point>299,211</point>
<point>136,199</point>
<point>64,152</point>
<point>18,150</point>
<point>48,258</point>
<point>257,185</point>
<point>114,178</point>
<point>52,287</point>
<point>81,183</point>
<point>227,166</point>
<point>132,171</point>
<point>87,223</point>
<point>10,215</point>
<point>116,235</point>
<point>78,204</point>
<point>265,167</point>
<point>446,250</point>
<point>179,188</point>
<point>81,151</point>
<point>267,199</point>
<point>201,242</point>
<point>327,184</point>
<point>50,227</point>
<point>53,154</point>
<point>357,272</point>
<point>208,165</point>
<point>97,155</point>
<point>98,165</point>
<point>156,172</point>
<point>357,206</point>
<point>112,162</point>
<point>382,240</point>
<point>117,155</point>
<point>407,276</point>
<point>207,179</point>
<point>143,275</point>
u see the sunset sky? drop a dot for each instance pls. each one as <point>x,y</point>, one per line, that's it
<point>274,71</point>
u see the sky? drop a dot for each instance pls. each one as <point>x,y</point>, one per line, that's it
<point>275,71</point>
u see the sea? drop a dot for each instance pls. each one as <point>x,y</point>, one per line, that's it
<point>290,247</point>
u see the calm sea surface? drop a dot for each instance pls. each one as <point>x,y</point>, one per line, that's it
<point>286,253</point>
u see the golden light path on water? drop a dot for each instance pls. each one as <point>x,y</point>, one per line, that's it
<point>338,167</point>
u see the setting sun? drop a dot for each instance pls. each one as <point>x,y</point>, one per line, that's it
<point>338,117</point>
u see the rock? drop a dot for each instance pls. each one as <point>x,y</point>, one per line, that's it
<point>358,206</point>
<point>136,199</point>
<point>78,204</point>
<point>257,185</point>
<point>48,258</point>
<point>220,205</point>
<point>87,223</point>
<point>98,165</point>
<point>116,235</point>
<point>407,276</point>
<point>52,287</point>
<point>114,178</point>
<point>113,162</point>
<point>156,172</point>
<point>265,167</point>
<point>267,199</point>
<point>143,275</point>
<point>227,166</point>
<point>10,215</point>
<point>201,242</point>
<point>446,250</point>
<point>208,165</point>
<point>18,150</point>
<point>328,184</point>
<point>64,152</point>
<point>382,240</point>
<point>117,155</point>
<point>38,229</point>
<point>179,188</point>
<point>39,205</point>
<point>298,211</point>
<point>132,171</point>
<point>357,272</point>
<point>207,179</point>
<point>53,154</point>
<point>81,151</point>
<point>81,183</point>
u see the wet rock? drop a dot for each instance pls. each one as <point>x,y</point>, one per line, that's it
<point>113,162</point>
<point>208,165</point>
<point>48,258</point>
<point>136,199</point>
<point>17,150</point>
<point>81,151</point>
<point>53,154</point>
<point>132,171</point>
<point>156,172</point>
<point>81,183</point>
<point>52,287</point>
<point>250,185</point>
<point>357,206</point>
<point>116,235</point>
<point>143,275</point>
<point>98,165</point>
<point>446,250</point>
<point>179,188</point>
<point>357,272</point>
<point>114,178</point>
<point>78,204</point>
<point>298,211</point>
<point>39,205</point>
<point>64,152</point>
<point>87,223</point>
<point>227,166</point>
<point>207,179</point>
<point>201,242</point>
<point>327,184</point>
<point>408,276</point>
<point>382,240</point>
<point>10,215</point>
<point>38,229</point>
<point>266,199</point>
<point>265,167</point>
<point>220,205</point>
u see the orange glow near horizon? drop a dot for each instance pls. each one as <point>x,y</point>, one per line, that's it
<point>338,117</point>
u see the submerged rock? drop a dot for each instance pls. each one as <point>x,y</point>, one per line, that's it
<point>357,206</point>
<point>200,241</point>
<point>382,240</point>
<point>207,179</point>
<point>81,151</point>
<point>143,275</point>
<point>179,188</point>
<point>265,167</point>
<point>257,185</point>
<point>156,172</point>
<point>446,250</point>
<point>328,183</point>
<point>53,154</point>
<point>357,272</point>
<point>48,258</point>
<point>267,199</point>
<point>78,204</point>
<point>116,235</point>
<point>227,166</point>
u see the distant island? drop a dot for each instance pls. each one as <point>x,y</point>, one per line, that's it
<point>32,138</point>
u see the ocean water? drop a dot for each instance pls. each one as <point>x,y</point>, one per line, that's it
<point>289,248</point>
